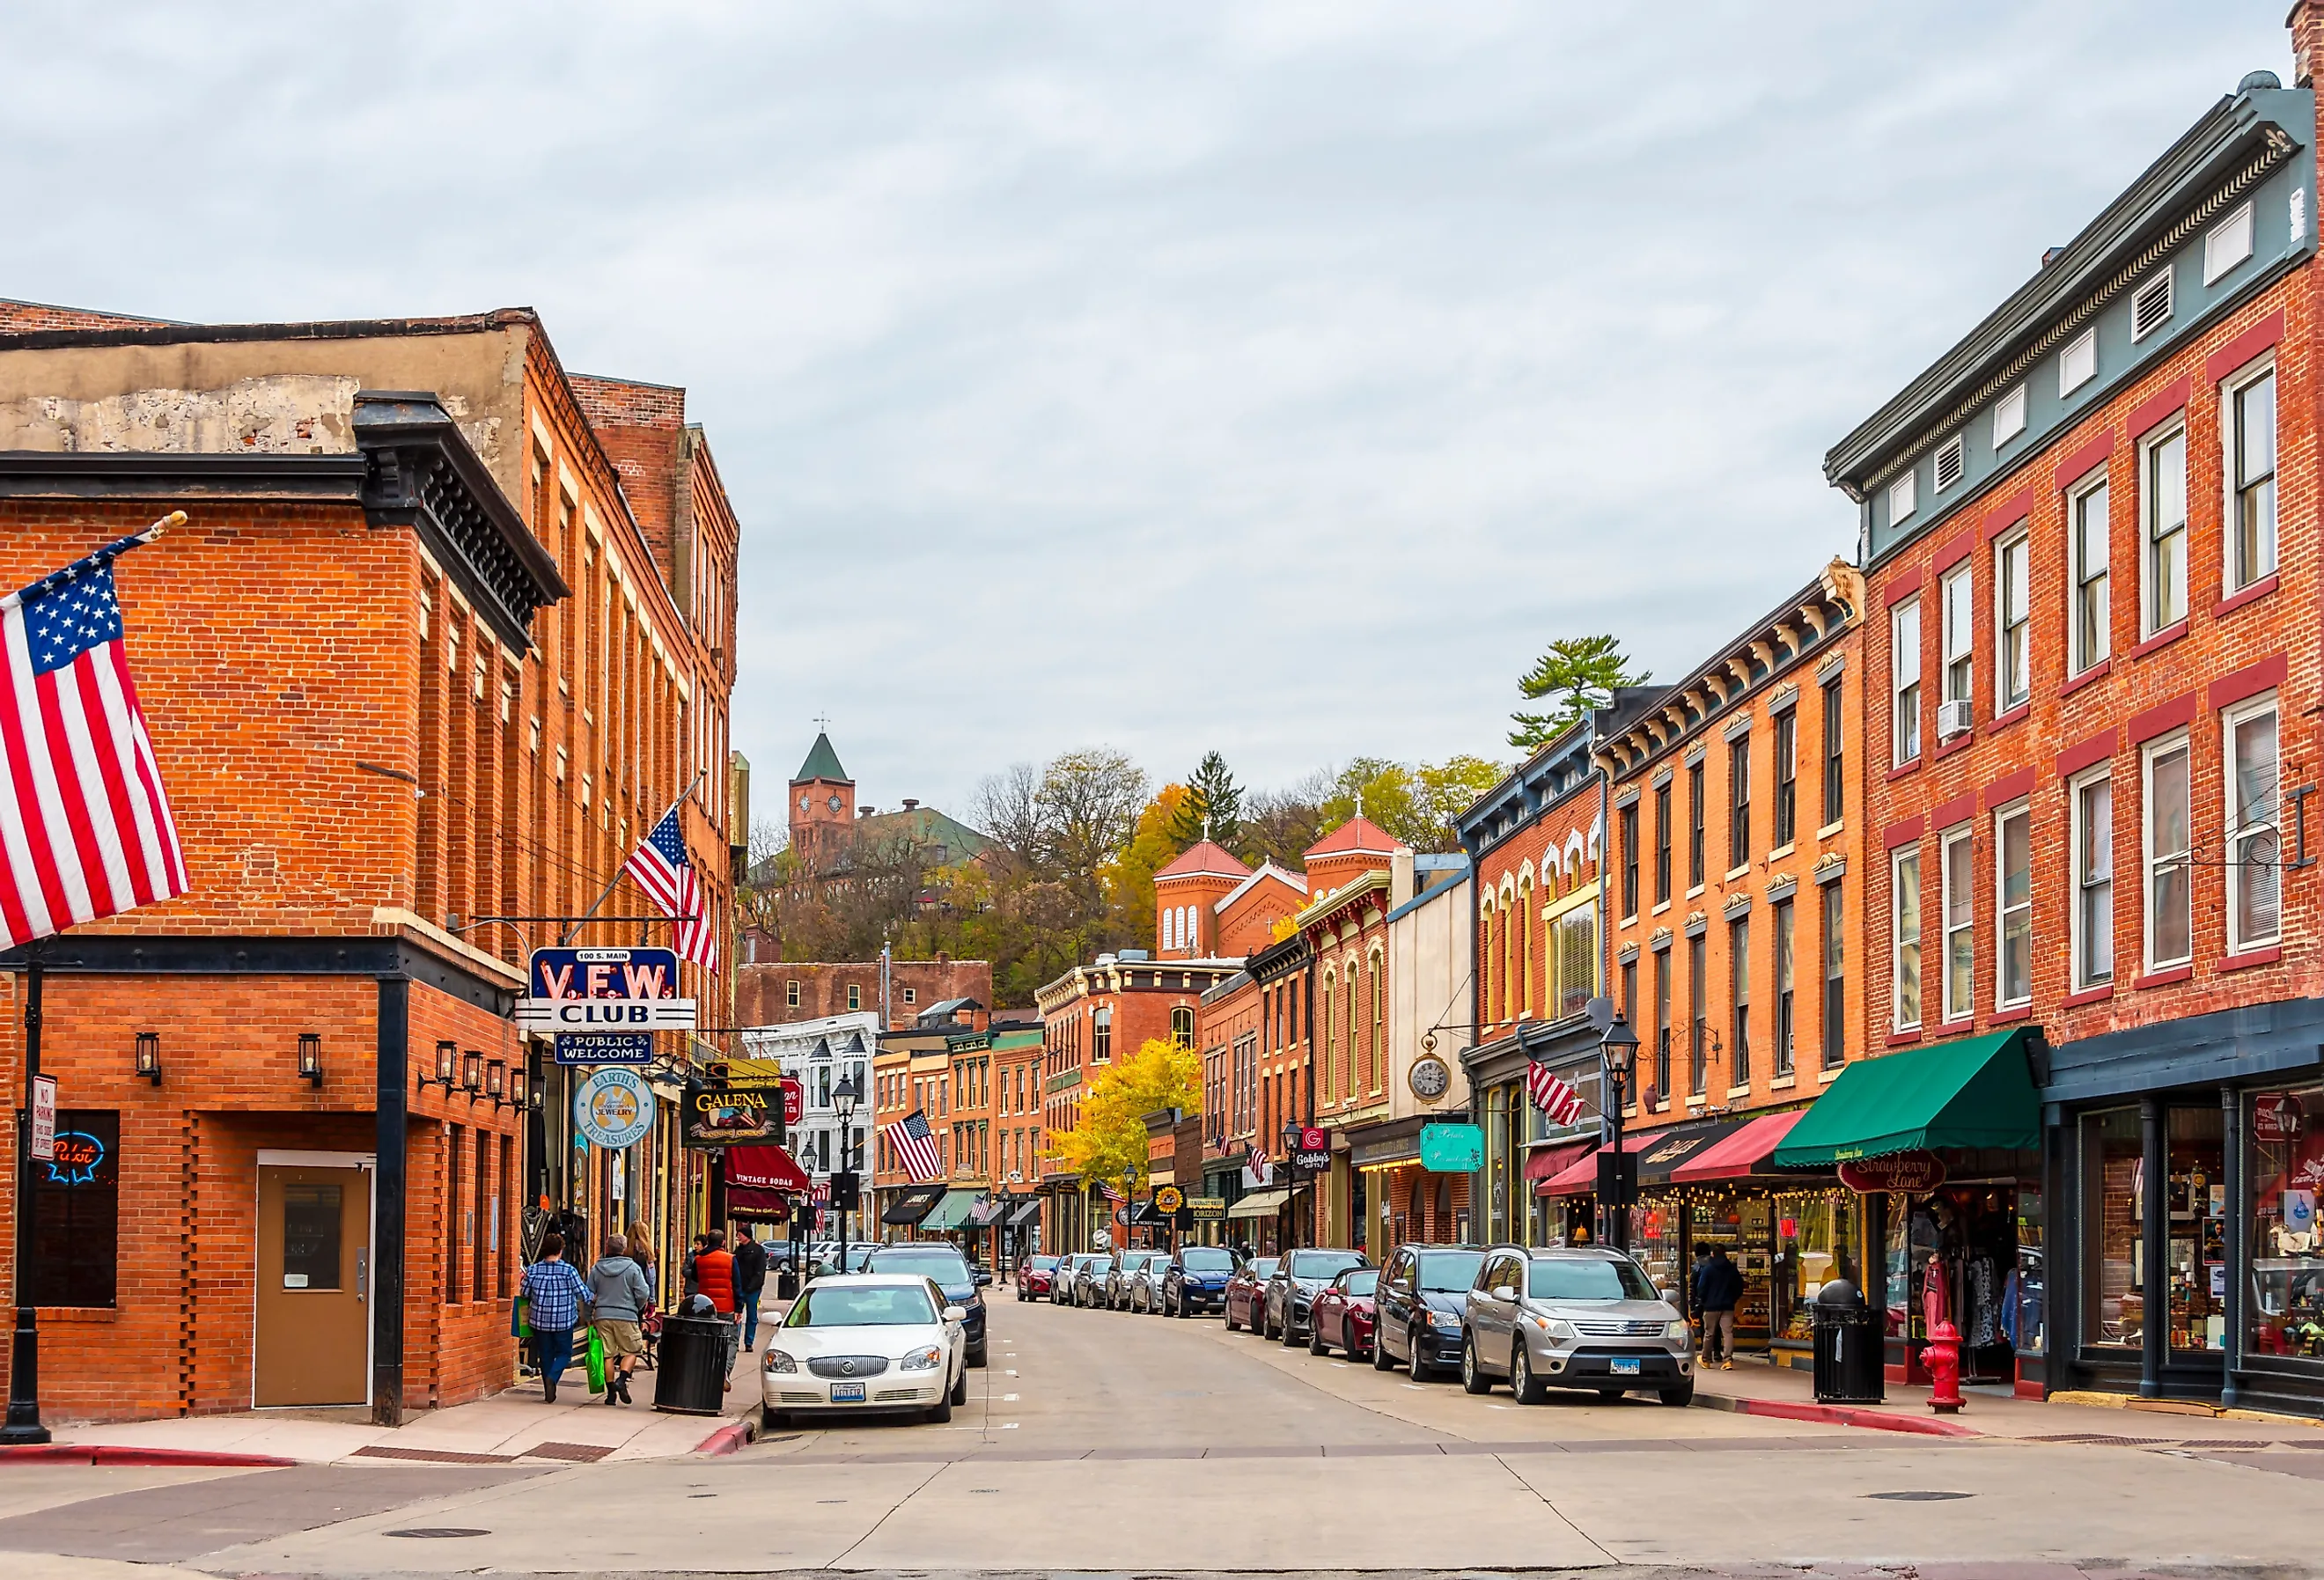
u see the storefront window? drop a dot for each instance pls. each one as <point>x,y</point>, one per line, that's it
<point>1654,1241</point>
<point>2286,1170</point>
<point>1818,1237</point>
<point>2030,1332</point>
<point>2197,1219</point>
<point>2114,1306</point>
<point>1497,1161</point>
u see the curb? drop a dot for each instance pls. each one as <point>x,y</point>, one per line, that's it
<point>105,1454</point>
<point>1837,1415</point>
<point>728,1438</point>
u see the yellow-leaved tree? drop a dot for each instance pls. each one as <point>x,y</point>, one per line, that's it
<point>1109,1142</point>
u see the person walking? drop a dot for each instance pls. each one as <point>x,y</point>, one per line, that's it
<point>714,1281</point>
<point>641,1252</point>
<point>553,1293</point>
<point>750,1283</point>
<point>618,1297</point>
<point>1722,1289</point>
<point>686,1269</point>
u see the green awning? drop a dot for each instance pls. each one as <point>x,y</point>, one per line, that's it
<point>952,1213</point>
<point>1975,1092</point>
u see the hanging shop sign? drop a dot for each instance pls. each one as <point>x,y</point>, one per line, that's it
<point>603,989</point>
<point>761,1075</point>
<point>2276,1116</point>
<point>1430,1077</point>
<point>603,1048</point>
<point>1452,1148</point>
<point>1207,1208</point>
<point>718,1117</point>
<point>1168,1200</point>
<point>1912,1172</point>
<point>614,1108</point>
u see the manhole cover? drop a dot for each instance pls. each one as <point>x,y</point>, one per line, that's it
<point>439,1532</point>
<point>1919,1497</point>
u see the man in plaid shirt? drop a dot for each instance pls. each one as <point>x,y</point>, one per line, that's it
<point>553,1294</point>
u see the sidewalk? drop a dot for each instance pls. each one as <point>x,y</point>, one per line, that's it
<point>511,1427</point>
<point>1756,1388</point>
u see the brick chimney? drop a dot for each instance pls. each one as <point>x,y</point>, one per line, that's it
<point>2306,23</point>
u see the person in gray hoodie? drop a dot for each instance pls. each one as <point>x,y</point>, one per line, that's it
<point>618,1297</point>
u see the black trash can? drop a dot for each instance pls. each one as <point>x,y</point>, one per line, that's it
<point>1848,1346</point>
<point>787,1282</point>
<point>691,1378</point>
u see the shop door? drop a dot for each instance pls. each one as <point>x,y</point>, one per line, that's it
<point>314,1279</point>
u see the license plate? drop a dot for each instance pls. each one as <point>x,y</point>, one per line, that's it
<point>1621,1369</point>
<point>852,1392</point>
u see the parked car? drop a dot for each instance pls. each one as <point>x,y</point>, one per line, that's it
<point>1424,1291</point>
<point>1572,1317</point>
<point>1124,1267</point>
<point>1195,1280</point>
<point>963,1286</point>
<point>1036,1276</point>
<point>1245,1296</point>
<point>1061,1287</point>
<point>1298,1278</point>
<point>1089,1279</point>
<point>865,1343</point>
<point>1342,1315</point>
<point>1146,1283</point>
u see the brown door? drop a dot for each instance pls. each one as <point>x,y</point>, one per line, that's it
<point>314,1285</point>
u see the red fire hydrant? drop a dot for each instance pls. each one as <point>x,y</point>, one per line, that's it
<point>1942,1358</point>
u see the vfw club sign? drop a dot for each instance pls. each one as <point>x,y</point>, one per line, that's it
<point>604,990</point>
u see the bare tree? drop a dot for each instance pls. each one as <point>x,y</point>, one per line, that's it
<point>1007,811</point>
<point>1088,801</point>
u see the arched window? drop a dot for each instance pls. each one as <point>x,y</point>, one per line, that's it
<point>1487,942</point>
<point>1194,939</point>
<point>1348,1066</point>
<point>1329,1041</point>
<point>1379,1028</point>
<point>1525,945</point>
<point>1182,1026</point>
<point>1512,924</point>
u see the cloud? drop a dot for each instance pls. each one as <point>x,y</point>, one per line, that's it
<point>1272,377</point>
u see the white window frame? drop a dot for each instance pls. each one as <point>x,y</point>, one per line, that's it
<point>1955,930</point>
<point>2019,811</point>
<point>2020,540</point>
<point>2082,348</point>
<point>2009,416</point>
<point>2151,618</point>
<point>2237,827</point>
<point>1905,660</point>
<point>1897,860</point>
<point>1957,615</point>
<point>2080,661</point>
<point>2236,576</point>
<point>2079,880</point>
<point>2227,243</point>
<point>2152,861</point>
<point>1904,497</point>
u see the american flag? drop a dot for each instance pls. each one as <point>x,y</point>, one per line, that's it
<point>1111,1192</point>
<point>1556,1098</point>
<point>84,825</point>
<point>916,1144</point>
<point>661,867</point>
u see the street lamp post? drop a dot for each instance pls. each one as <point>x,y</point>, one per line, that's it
<point>843,1098</point>
<point>1619,1048</point>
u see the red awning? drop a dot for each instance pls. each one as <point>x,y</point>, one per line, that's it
<point>1549,1162</point>
<point>1583,1176</point>
<point>1740,1155</point>
<point>768,1168</point>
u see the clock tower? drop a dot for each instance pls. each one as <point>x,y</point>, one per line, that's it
<point>822,804</point>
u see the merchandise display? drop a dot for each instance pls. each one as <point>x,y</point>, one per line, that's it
<point>2285,1167</point>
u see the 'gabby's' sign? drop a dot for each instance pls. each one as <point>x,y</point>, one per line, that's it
<point>604,990</point>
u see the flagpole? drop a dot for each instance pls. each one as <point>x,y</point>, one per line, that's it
<point>607,892</point>
<point>24,1425</point>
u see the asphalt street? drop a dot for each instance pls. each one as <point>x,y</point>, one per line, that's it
<point>1104,1441</point>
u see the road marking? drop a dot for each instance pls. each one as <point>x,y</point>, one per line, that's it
<point>1007,1373</point>
<point>1008,1426</point>
<point>1416,1388</point>
<point>1008,1399</point>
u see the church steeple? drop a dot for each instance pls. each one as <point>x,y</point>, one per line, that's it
<point>822,762</point>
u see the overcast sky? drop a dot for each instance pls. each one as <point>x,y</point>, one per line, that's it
<point>1276,378</point>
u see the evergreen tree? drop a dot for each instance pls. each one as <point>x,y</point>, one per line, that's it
<point>1212,798</point>
<point>1582,672</point>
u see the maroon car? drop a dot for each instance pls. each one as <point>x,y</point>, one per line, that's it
<point>1246,1295</point>
<point>1034,1275</point>
<point>1342,1317</point>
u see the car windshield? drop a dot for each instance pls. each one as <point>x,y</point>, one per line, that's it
<point>860,1305</point>
<point>1448,1272</point>
<point>1323,1264</point>
<point>1576,1279</point>
<point>1042,1264</point>
<point>945,1266</point>
<point>1263,1267</point>
<point>1207,1258</point>
<point>1363,1282</point>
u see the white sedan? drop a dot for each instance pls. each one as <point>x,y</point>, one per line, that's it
<point>866,1341</point>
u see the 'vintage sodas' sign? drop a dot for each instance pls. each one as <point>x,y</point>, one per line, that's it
<point>604,990</point>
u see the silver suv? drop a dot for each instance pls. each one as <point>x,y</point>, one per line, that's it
<point>1573,1317</point>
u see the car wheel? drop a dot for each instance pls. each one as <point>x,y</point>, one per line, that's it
<point>1290,1334</point>
<point>1523,1385</point>
<point>976,1358</point>
<point>1315,1344</point>
<point>1231,1316</point>
<point>1682,1396</point>
<point>1472,1371</point>
<point>771,1420</point>
<point>960,1389</point>
<point>1413,1364</point>
<point>1381,1360</point>
<point>941,1411</point>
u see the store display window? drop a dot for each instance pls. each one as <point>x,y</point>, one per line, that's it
<point>2197,1215</point>
<point>2032,1330</point>
<point>1498,1158</point>
<point>1656,1240</point>
<point>2284,1164</point>
<point>1818,1237</point>
<point>2114,1303</point>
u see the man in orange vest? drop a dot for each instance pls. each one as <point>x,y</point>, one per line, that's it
<point>714,1277</point>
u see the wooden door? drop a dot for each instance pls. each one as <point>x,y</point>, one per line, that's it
<point>314,1285</point>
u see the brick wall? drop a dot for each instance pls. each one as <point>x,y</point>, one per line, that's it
<point>762,991</point>
<point>26,318</point>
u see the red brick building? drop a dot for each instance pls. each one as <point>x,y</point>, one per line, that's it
<point>415,664</point>
<point>1209,906</point>
<point>774,993</point>
<point>2091,685</point>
